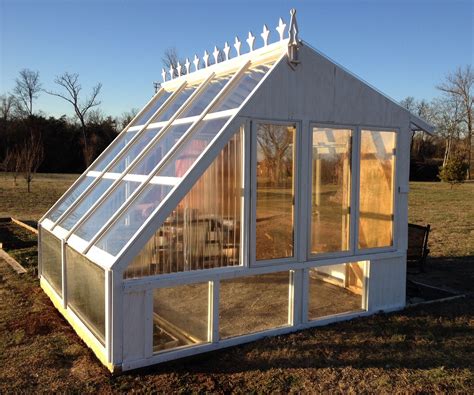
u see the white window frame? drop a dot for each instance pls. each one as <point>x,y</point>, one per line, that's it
<point>252,228</point>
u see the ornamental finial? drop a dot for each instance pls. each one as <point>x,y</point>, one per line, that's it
<point>206,59</point>
<point>215,54</point>
<point>196,62</point>
<point>163,74</point>
<point>171,72</point>
<point>226,50</point>
<point>237,45</point>
<point>281,28</point>
<point>187,64</point>
<point>178,69</point>
<point>293,30</point>
<point>265,35</point>
<point>250,40</point>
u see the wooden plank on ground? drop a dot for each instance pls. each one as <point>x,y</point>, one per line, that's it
<point>12,262</point>
<point>23,225</point>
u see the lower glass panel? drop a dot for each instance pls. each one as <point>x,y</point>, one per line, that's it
<point>51,260</point>
<point>86,292</point>
<point>180,316</point>
<point>336,289</point>
<point>253,304</point>
<point>275,191</point>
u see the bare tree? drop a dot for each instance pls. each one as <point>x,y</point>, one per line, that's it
<point>460,85</point>
<point>11,163</point>
<point>70,83</point>
<point>7,104</point>
<point>30,156</point>
<point>26,90</point>
<point>126,118</point>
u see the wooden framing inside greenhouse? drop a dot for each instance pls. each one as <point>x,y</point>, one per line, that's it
<point>256,195</point>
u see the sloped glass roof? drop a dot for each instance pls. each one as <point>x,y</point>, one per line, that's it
<point>126,185</point>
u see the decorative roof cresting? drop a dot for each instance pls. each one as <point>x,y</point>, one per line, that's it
<point>293,44</point>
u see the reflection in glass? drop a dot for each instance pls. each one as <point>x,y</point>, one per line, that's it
<point>377,166</point>
<point>180,316</point>
<point>335,289</point>
<point>203,231</point>
<point>331,177</point>
<point>275,191</point>
<point>253,304</point>
<point>174,106</point>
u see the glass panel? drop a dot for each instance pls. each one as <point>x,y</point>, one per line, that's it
<point>275,191</point>
<point>203,231</point>
<point>180,316</point>
<point>377,167</point>
<point>159,149</point>
<point>176,104</point>
<point>71,197</point>
<point>253,304</point>
<point>335,289</point>
<point>134,150</point>
<point>105,210</point>
<point>51,260</point>
<point>86,292</point>
<point>210,91</point>
<point>330,190</point>
<point>89,199</point>
<point>117,145</point>
<point>152,109</point>
<point>240,91</point>
<point>151,197</point>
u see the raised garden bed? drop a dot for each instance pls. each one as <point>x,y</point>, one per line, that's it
<point>19,242</point>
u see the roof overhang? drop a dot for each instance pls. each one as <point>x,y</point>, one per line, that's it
<point>418,124</point>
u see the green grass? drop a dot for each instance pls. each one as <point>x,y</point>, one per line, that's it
<point>429,348</point>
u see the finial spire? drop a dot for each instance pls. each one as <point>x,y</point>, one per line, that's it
<point>178,69</point>
<point>163,74</point>
<point>196,62</point>
<point>250,40</point>
<point>206,58</point>
<point>294,41</point>
<point>226,50</point>
<point>215,54</point>
<point>265,33</point>
<point>281,28</point>
<point>237,45</point>
<point>187,64</point>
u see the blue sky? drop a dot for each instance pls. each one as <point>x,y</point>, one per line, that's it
<point>401,47</point>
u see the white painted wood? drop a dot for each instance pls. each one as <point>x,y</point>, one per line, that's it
<point>386,283</point>
<point>134,325</point>
<point>63,273</point>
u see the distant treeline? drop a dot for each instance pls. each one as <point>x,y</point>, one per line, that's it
<point>62,141</point>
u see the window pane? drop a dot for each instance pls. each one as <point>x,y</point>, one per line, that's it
<point>175,105</point>
<point>377,167</point>
<point>152,108</point>
<point>165,142</point>
<point>203,231</point>
<point>117,145</point>
<point>180,316</point>
<point>275,191</point>
<point>90,198</point>
<point>330,190</point>
<point>210,91</point>
<point>71,197</point>
<point>86,292</point>
<point>335,289</point>
<point>153,194</point>
<point>51,260</point>
<point>105,210</point>
<point>253,304</point>
<point>240,91</point>
<point>132,152</point>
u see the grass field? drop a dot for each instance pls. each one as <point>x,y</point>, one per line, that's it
<point>427,348</point>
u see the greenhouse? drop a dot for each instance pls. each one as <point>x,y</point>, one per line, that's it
<point>259,192</point>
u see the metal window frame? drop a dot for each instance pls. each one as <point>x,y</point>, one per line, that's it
<point>118,157</point>
<point>151,144</point>
<point>182,140</point>
<point>101,156</point>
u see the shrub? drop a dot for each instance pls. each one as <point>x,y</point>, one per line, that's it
<point>454,172</point>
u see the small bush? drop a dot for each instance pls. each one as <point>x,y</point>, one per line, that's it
<point>454,172</point>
